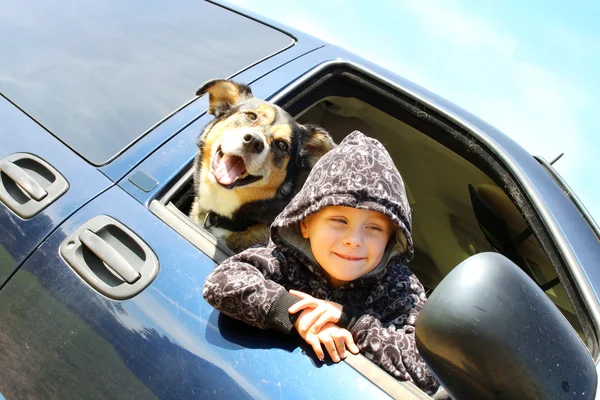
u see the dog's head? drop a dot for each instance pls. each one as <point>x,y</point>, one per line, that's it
<point>252,147</point>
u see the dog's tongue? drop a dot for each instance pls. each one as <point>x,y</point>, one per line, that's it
<point>228,168</point>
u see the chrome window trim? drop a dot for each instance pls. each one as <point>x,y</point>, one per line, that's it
<point>569,192</point>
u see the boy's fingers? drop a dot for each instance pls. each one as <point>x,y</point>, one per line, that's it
<point>340,345</point>
<point>300,294</point>
<point>350,345</point>
<point>331,347</point>
<point>323,319</point>
<point>308,321</point>
<point>302,304</point>
<point>313,340</point>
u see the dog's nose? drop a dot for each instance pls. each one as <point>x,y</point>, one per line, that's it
<point>253,142</point>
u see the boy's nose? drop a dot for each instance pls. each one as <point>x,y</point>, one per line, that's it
<point>353,239</point>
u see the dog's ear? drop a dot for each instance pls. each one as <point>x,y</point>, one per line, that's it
<point>223,95</point>
<point>317,142</point>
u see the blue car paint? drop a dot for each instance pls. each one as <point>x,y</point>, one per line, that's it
<point>168,339</point>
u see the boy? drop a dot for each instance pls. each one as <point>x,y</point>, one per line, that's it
<point>339,247</point>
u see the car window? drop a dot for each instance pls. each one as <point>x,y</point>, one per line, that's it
<point>99,74</point>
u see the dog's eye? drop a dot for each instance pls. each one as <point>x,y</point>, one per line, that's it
<point>282,145</point>
<point>251,116</point>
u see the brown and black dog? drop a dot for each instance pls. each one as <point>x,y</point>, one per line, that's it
<point>248,165</point>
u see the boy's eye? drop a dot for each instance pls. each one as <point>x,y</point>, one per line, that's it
<point>339,220</point>
<point>375,228</point>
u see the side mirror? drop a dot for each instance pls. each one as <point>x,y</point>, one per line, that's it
<point>489,332</point>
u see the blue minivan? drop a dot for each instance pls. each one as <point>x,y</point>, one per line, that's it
<point>98,122</point>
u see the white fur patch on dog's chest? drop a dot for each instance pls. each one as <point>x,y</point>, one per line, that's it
<point>219,200</point>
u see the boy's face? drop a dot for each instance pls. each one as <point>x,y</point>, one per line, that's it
<point>347,242</point>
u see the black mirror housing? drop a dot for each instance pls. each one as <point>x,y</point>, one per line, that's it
<point>489,332</point>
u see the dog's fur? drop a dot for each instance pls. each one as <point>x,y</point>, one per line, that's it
<point>262,142</point>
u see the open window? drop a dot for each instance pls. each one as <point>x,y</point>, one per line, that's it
<point>464,200</point>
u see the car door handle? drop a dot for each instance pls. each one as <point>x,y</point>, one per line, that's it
<point>109,256</point>
<point>29,184</point>
<point>22,178</point>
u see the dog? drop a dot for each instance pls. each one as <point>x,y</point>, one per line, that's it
<point>250,162</point>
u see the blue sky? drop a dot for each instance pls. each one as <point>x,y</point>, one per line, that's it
<point>530,68</point>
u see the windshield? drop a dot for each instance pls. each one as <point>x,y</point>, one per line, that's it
<point>98,74</point>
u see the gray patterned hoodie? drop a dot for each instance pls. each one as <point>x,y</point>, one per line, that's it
<point>380,308</point>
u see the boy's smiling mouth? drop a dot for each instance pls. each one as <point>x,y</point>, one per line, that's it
<point>348,257</point>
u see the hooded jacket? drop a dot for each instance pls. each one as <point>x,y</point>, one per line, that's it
<point>379,308</point>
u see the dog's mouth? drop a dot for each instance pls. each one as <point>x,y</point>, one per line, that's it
<point>230,170</point>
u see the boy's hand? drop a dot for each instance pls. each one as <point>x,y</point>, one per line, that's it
<point>316,325</point>
<point>320,312</point>
<point>335,339</point>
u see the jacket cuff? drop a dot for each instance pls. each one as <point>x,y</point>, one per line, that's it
<point>279,318</point>
<point>349,317</point>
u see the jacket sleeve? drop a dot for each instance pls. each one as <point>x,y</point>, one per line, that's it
<point>246,287</point>
<point>389,339</point>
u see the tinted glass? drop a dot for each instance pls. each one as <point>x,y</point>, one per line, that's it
<point>100,73</point>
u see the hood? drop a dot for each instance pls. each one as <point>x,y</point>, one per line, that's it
<point>358,173</point>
